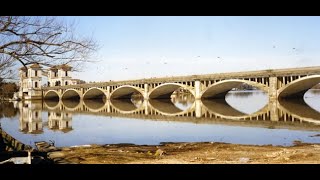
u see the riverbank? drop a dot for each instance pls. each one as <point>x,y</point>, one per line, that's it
<point>191,153</point>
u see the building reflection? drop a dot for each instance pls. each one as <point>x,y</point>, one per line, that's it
<point>31,117</point>
<point>60,121</point>
<point>182,107</point>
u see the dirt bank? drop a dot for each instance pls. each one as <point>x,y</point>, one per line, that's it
<point>191,153</point>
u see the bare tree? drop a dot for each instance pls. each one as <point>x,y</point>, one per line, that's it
<point>43,40</point>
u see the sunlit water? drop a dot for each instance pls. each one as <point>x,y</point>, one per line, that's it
<point>80,128</point>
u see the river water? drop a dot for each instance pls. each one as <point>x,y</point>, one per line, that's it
<point>244,117</point>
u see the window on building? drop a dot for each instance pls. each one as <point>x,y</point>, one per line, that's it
<point>58,83</point>
<point>66,73</point>
<point>26,73</point>
<point>66,82</point>
<point>36,84</point>
<point>55,74</point>
<point>36,73</point>
<point>36,114</point>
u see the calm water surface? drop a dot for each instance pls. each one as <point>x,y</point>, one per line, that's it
<point>243,117</point>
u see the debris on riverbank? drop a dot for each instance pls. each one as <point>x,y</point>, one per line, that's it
<point>192,153</point>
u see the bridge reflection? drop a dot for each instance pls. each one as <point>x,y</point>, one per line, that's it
<point>289,113</point>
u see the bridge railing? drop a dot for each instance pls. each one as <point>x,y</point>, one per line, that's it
<point>216,76</point>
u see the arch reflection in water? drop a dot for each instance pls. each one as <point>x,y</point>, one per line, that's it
<point>206,109</point>
<point>181,119</point>
<point>302,112</point>
<point>125,105</point>
<point>279,113</point>
<point>94,105</point>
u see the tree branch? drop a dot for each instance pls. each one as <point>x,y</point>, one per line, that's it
<point>43,40</point>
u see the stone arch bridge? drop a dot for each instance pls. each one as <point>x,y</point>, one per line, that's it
<point>278,83</point>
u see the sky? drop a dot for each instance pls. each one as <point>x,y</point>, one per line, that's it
<point>136,47</point>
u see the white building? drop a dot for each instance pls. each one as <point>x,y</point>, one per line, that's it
<point>30,82</point>
<point>59,75</point>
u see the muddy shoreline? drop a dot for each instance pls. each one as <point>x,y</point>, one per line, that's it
<point>190,153</point>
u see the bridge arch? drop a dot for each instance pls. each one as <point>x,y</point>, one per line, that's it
<point>164,91</point>
<point>52,94</point>
<point>125,92</point>
<point>95,93</point>
<point>71,94</point>
<point>52,105</point>
<point>298,87</point>
<point>220,89</point>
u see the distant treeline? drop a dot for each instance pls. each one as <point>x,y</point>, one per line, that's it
<point>7,89</point>
<point>245,87</point>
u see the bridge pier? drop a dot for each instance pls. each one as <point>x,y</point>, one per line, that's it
<point>274,111</point>
<point>197,89</point>
<point>198,108</point>
<point>146,92</point>
<point>108,106</point>
<point>80,95</point>
<point>273,88</point>
<point>146,107</point>
<point>273,98</point>
<point>108,93</point>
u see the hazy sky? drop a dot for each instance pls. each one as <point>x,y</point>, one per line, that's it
<point>156,46</point>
